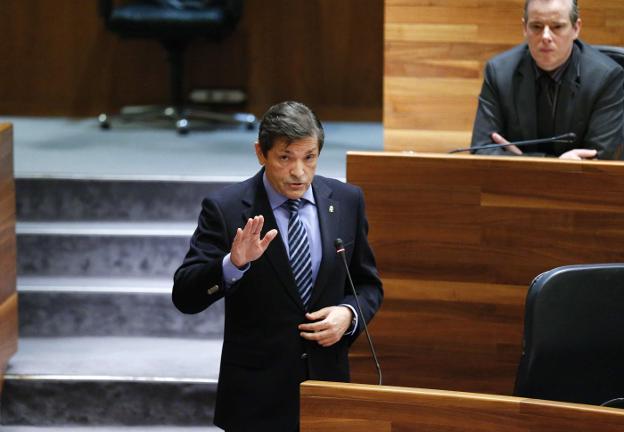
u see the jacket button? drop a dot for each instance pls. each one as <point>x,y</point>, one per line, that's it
<point>304,356</point>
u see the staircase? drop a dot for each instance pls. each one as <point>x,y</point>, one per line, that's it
<point>101,346</point>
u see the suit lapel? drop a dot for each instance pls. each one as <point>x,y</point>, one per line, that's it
<point>329,217</point>
<point>566,104</point>
<point>524,81</point>
<point>258,204</point>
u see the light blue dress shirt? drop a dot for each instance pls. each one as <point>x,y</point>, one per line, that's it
<point>308,216</point>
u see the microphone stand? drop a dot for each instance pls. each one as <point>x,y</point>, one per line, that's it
<point>565,138</point>
<point>340,250</point>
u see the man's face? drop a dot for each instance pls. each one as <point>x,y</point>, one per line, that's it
<point>549,32</point>
<point>290,167</point>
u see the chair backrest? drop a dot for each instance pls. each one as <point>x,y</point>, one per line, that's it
<point>573,346</point>
<point>614,52</point>
<point>231,9</point>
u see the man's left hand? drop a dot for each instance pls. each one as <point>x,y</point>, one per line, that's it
<point>580,154</point>
<point>329,325</point>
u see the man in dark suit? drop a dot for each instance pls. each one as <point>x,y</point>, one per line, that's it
<point>551,85</point>
<point>267,246</point>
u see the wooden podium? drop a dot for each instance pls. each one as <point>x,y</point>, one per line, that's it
<point>8,294</point>
<point>458,239</point>
<point>340,407</point>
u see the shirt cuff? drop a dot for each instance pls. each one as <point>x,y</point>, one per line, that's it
<point>231,273</point>
<point>354,323</point>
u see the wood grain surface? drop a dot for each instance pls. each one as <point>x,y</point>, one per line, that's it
<point>434,55</point>
<point>8,332</point>
<point>8,295</point>
<point>328,407</point>
<point>458,240</point>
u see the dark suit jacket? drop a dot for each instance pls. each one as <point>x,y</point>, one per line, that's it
<point>264,359</point>
<point>591,102</point>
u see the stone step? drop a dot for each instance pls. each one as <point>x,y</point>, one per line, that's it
<point>111,381</point>
<point>113,249</point>
<point>113,198</point>
<point>74,400</point>
<point>66,307</point>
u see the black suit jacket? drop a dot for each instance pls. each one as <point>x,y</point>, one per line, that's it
<point>264,359</point>
<point>591,102</point>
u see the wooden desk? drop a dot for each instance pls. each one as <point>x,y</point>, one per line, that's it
<point>458,240</point>
<point>339,407</point>
<point>8,294</point>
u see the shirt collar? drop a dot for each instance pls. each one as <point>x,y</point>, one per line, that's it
<point>276,199</point>
<point>556,74</point>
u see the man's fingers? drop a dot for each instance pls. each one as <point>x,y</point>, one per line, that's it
<point>248,226</point>
<point>318,315</point>
<point>327,328</point>
<point>253,226</point>
<point>237,238</point>
<point>498,138</point>
<point>315,334</point>
<point>257,224</point>
<point>247,245</point>
<point>324,338</point>
<point>268,238</point>
<point>586,153</point>
<point>312,327</point>
<point>579,154</point>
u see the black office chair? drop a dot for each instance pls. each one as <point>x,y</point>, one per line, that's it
<point>174,23</point>
<point>615,52</point>
<point>573,346</point>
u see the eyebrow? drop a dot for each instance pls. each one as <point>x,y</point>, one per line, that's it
<point>532,21</point>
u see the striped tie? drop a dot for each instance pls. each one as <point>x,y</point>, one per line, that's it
<point>299,251</point>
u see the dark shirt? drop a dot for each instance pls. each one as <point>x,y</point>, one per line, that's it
<point>547,85</point>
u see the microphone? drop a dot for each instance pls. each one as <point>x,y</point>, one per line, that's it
<point>568,138</point>
<point>340,250</point>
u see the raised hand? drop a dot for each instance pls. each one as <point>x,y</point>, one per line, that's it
<point>247,245</point>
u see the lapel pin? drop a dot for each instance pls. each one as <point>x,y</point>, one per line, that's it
<point>331,208</point>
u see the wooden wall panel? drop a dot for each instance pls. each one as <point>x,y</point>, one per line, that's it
<point>338,407</point>
<point>326,53</point>
<point>8,295</point>
<point>7,214</point>
<point>458,240</point>
<point>8,332</point>
<point>58,59</point>
<point>434,55</point>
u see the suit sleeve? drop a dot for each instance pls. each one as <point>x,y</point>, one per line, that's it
<point>198,282</point>
<point>363,272</point>
<point>605,131</point>
<point>489,117</point>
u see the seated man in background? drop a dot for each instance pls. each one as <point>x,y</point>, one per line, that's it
<point>551,85</point>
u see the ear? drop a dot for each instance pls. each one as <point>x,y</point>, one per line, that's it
<point>577,28</point>
<point>524,28</point>
<point>259,154</point>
